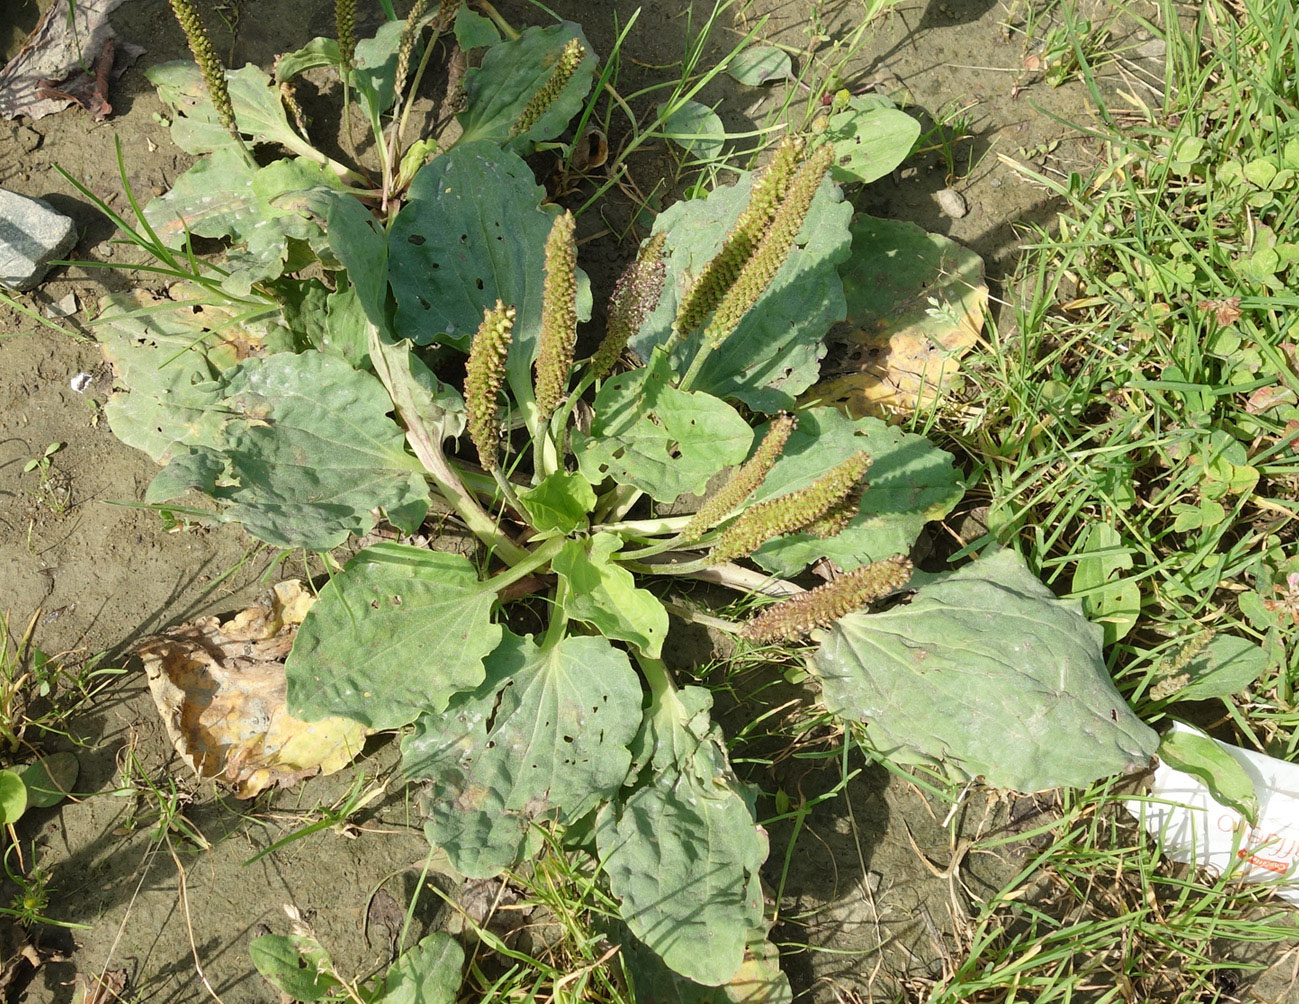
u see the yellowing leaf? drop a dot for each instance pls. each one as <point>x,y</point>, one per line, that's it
<point>915,308</point>
<point>220,690</point>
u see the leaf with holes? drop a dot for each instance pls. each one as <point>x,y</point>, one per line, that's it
<point>498,91</point>
<point>544,737</point>
<point>871,137</point>
<point>775,353</point>
<point>473,232</point>
<point>682,852</point>
<point>663,441</point>
<point>398,632</point>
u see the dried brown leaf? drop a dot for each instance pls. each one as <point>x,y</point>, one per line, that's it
<point>220,688</point>
<point>68,59</point>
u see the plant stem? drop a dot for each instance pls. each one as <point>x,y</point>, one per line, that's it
<point>498,20</point>
<point>661,687</point>
<point>428,449</point>
<point>645,527</point>
<point>531,561</point>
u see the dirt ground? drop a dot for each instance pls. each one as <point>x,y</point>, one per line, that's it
<point>173,914</point>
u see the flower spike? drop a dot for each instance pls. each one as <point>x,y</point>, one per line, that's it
<point>777,241</point>
<point>720,273</point>
<point>741,484</point>
<point>558,316</point>
<point>794,511</point>
<point>634,297</point>
<point>484,374</point>
<point>209,64</point>
<point>570,56</point>
<point>820,607</point>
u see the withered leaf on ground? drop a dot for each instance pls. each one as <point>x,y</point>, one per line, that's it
<point>220,689</point>
<point>69,58</point>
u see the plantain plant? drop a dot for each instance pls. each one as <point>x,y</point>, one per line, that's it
<point>383,344</point>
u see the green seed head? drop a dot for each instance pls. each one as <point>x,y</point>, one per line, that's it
<point>345,29</point>
<point>634,297</point>
<point>720,273</point>
<point>558,316</point>
<point>572,54</point>
<point>484,374</point>
<point>788,513</point>
<point>776,242</point>
<point>209,64</point>
<point>745,479</point>
<point>822,606</point>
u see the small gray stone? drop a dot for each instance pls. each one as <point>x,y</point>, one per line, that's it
<point>32,234</point>
<point>952,203</point>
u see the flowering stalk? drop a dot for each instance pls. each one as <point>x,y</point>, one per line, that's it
<point>634,297</point>
<point>570,56</point>
<point>788,513</point>
<point>558,317</point>
<point>345,29</point>
<point>764,262</point>
<point>822,606</point>
<point>720,273</point>
<point>209,65</point>
<point>484,374</point>
<point>741,484</point>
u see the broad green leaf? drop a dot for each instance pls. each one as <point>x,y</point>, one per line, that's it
<point>870,139</point>
<point>909,483</point>
<point>600,593</point>
<point>1226,666</point>
<point>395,634</point>
<point>50,779</point>
<point>682,856</point>
<point>511,73</point>
<point>295,964</point>
<point>987,674</point>
<point>1201,757</point>
<point>317,52</point>
<point>194,471</point>
<point>775,353</point>
<point>757,981</point>
<point>474,31</point>
<point>663,441</point>
<point>196,128</point>
<point>544,737</point>
<point>1107,596</point>
<point>170,368</point>
<point>696,128</point>
<point>761,64</point>
<point>13,797</point>
<point>214,198</point>
<point>559,504</point>
<point>916,304</point>
<point>358,241</point>
<point>260,210</point>
<point>312,451</point>
<point>376,68</point>
<point>345,330</point>
<point>472,232</point>
<point>427,974</point>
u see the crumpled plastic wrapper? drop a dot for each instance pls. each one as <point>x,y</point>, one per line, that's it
<point>220,688</point>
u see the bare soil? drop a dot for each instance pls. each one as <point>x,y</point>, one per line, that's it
<point>869,875</point>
